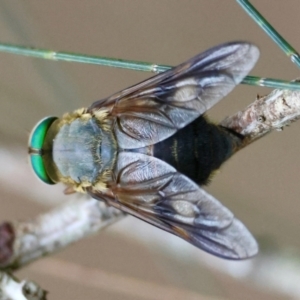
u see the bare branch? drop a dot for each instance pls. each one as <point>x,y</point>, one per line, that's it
<point>274,111</point>
<point>24,242</point>
<point>12,289</point>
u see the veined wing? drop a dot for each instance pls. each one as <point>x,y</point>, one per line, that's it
<point>156,108</point>
<point>155,192</point>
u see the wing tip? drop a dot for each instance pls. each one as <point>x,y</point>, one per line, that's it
<point>247,55</point>
<point>234,242</point>
<point>245,245</point>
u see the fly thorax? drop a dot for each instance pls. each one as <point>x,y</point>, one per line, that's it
<point>83,153</point>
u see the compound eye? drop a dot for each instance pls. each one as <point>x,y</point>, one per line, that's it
<point>36,142</point>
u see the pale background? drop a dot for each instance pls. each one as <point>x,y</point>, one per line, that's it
<point>260,184</point>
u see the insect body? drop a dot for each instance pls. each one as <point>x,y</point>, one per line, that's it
<point>146,150</point>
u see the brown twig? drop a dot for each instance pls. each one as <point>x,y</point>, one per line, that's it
<point>24,242</point>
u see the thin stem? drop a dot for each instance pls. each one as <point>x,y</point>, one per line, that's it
<point>82,58</point>
<point>272,83</point>
<point>271,32</point>
<point>129,64</point>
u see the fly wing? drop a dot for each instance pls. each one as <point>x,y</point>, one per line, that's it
<point>156,108</point>
<point>155,192</point>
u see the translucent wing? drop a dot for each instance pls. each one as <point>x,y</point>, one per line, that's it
<point>156,108</point>
<point>155,192</point>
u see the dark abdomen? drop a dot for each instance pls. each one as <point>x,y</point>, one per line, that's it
<point>198,149</point>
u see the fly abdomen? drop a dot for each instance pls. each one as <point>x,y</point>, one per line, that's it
<point>198,149</point>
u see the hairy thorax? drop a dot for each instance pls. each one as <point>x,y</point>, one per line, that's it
<point>83,151</point>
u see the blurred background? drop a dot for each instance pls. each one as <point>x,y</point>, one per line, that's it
<point>133,260</point>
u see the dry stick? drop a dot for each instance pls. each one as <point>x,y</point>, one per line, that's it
<point>11,288</point>
<point>57,229</point>
<point>274,111</point>
<point>24,242</point>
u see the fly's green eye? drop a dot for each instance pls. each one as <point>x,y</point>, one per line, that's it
<point>36,142</point>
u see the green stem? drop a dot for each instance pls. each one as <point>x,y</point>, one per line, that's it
<point>271,32</point>
<point>129,64</point>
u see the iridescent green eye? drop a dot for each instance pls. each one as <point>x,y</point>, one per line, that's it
<point>36,142</point>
